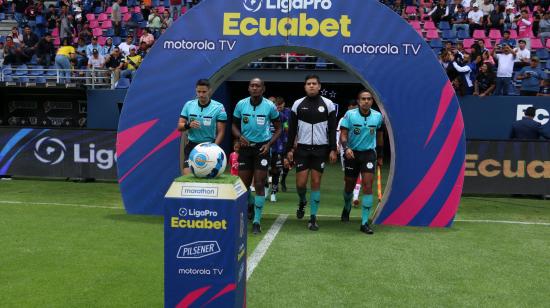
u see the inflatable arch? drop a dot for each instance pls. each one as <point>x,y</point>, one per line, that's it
<point>217,37</point>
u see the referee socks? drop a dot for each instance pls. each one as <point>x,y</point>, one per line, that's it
<point>259,206</point>
<point>315,197</point>
<point>366,205</point>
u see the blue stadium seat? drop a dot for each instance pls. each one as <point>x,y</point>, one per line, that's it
<point>123,83</point>
<point>137,17</point>
<point>40,79</point>
<point>2,16</point>
<point>548,65</point>
<point>52,71</point>
<point>23,79</point>
<point>109,33</point>
<point>543,54</point>
<point>21,70</point>
<point>2,39</point>
<point>321,63</point>
<point>143,24</point>
<point>98,10</point>
<point>436,43</point>
<point>444,25</point>
<point>8,78</point>
<point>448,35</point>
<point>34,60</point>
<point>117,40</point>
<point>166,3</point>
<point>132,3</point>
<point>7,70</point>
<point>155,3</point>
<point>462,34</point>
<point>37,70</point>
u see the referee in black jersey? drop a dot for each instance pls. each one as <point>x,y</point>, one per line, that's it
<point>311,140</point>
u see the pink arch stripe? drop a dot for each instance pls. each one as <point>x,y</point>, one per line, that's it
<point>128,137</point>
<point>425,189</point>
<point>446,96</point>
<point>175,134</point>
<point>450,207</point>
<point>230,287</point>
<point>192,297</point>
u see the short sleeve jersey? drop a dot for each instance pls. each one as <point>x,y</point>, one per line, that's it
<point>256,120</point>
<point>362,129</point>
<point>207,116</point>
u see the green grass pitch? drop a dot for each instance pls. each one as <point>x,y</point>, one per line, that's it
<point>70,244</point>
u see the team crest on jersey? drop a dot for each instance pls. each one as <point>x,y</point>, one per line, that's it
<point>357,131</point>
<point>245,120</point>
<point>321,109</point>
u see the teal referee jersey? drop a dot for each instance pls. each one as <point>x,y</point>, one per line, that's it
<point>362,128</point>
<point>207,116</point>
<point>255,120</point>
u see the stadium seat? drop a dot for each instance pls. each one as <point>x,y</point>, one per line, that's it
<point>40,79</point>
<point>103,17</point>
<point>117,40</point>
<point>137,17</point>
<point>101,40</point>
<point>51,71</point>
<point>37,70</point>
<point>126,17</point>
<point>536,43</point>
<point>123,83</point>
<point>2,16</point>
<point>98,10</point>
<point>321,63</point>
<point>161,9</point>
<point>432,34</point>
<point>479,34</point>
<point>155,3</point>
<point>488,43</point>
<point>124,9</point>
<point>467,43</point>
<point>463,34</point>
<point>56,42</point>
<point>109,10</point>
<point>444,25</point>
<point>110,32</point>
<point>97,32</point>
<point>137,9</point>
<point>448,35</point>
<point>429,25</point>
<point>436,43</point>
<point>90,17</point>
<point>415,24</point>
<point>495,34</point>
<point>7,70</point>
<point>543,54</point>
<point>55,32</point>
<point>410,10</point>
<point>513,34</point>
<point>419,31</point>
<point>94,24</point>
<point>548,65</point>
<point>2,39</point>
<point>131,3</point>
<point>106,24</point>
<point>34,60</point>
<point>21,70</point>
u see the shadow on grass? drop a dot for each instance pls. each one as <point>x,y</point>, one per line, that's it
<point>144,219</point>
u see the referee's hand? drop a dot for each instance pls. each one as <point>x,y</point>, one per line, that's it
<point>333,157</point>
<point>349,154</point>
<point>264,149</point>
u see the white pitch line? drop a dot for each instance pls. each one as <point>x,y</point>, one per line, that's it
<point>504,222</point>
<point>264,244</point>
<point>60,204</point>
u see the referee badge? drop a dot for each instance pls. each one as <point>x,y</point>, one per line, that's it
<point>370,165</point>
<point>371,131</point>
<point>357,131</point>
<point>245,120</point>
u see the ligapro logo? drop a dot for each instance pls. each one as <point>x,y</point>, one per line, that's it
<point>50,150</point>
<point>286,6</point>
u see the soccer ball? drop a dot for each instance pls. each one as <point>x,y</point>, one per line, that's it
<point>207,160</point>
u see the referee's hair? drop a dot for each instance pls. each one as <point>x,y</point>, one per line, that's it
<point>366,91</point>
<point>312,76</point>
<point>203,82</point>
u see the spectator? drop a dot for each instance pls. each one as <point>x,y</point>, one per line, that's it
<point>527,127</point>
<point>108,48</point>
<point>147,38</point>
<point>465,78</point>
<point>18,8</point>
<point>65,53</point>
<point>525,24</point>
<point>523,55</point>
<point>96,61</point>
<point>51,18</point>
<point>29,43</point>
<point>155,22</point>
<point>12,52</point>
<point>17,38</point>
<point>505,68</point>
<point>31,12</point>
<point>81,57</point>
<point>143,50</point>
<point>495,20</point>
<point>460,20</point>
<point>486,8</point>
<point>175,7</point>
<point>507,40</point>
<point>453,7</point>
<point>487,58</point>
<point>116,17</point>
<point>146,11</point>
<point>1,54</point>
<point>127,45</point>
<point>509,18</point>
<point>440,12</point>
<point>115,63</point>
<point>166,20</point>
<point>133,61</point>
<point>65,23</point>
<point>475,18</point>
<point>485,81</point>
<point>544,27</point>
<point>93,45</point>
<point>86,33</point>
<point>45,50</point>
<point>545,89</point>
<point>397,7</point>
<point>531,77</point>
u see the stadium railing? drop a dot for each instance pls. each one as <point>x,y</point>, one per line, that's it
<point>31,76</point>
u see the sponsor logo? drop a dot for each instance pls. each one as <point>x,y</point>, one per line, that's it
<point>183,212</point>
<point>200,160</point>
<point>252,5</point>
<point>241,253</point>
<point>541,115</point>
<point>241,272</point>
<point>200,271</point>
<point>370,165</point>
<point>179,223</point>
<point>286,6</point>
<point>321,109</point>
<point>53,148</point>
<point>196,191</point>
<point>198,250</point>
<point>536,169</point>
<point>264,162</point>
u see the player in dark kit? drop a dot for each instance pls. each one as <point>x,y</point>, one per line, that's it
<point>253,116</point>
<point>277,151</point>
<point>362,138</point>
<point>313,126</point>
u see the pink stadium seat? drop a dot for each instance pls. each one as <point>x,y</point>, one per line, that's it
<point>55,32</point>
<point>479,34</point>
<point>137,9</point>
<point>106,24</point>
<point>183,10</point>
<point>547,43</point>
<point>429,25</point>
<point>126,17</point>
<point>101,40</point>
<point>90,17</point>
<point>97,32</point>
<point>415,24</point>
<point>161,9</point>
<point>410,10</point>
<point>94,24</point>
<point>109,10</point>
<point>468,43</point>
<point>536,43</point>
<point>124,9</point>
<point>56,42</point>
<point>488,44</point>
<point>103,17</point>
<point>432,34</point>
<point>495,34</point>
<point>513,34</point>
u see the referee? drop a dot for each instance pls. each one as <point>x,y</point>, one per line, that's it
<point>203,119</point>
<point>361,136</point>
<point>312,127</point>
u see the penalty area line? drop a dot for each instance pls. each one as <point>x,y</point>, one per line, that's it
<point>264,244</point>
<point>59,204</point>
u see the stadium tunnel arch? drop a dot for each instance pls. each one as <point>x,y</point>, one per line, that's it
<point>415,95</point>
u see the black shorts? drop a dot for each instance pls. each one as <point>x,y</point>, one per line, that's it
<point>276,160</point>
<point>364,161</point>
<point>311,157</point>
<point>250,158</point>
<point>187,151</point>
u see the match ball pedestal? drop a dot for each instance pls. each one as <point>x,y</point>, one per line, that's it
<point>205,242</point>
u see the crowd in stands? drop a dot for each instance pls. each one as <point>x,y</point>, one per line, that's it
<point>473,38</point>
